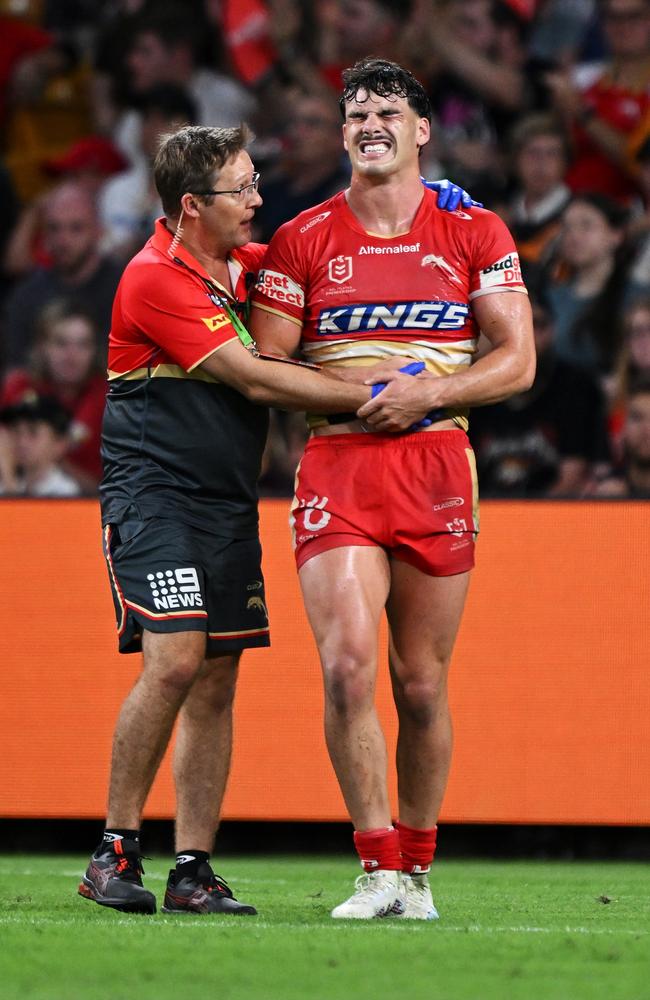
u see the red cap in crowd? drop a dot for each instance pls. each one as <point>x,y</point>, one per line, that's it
<point>93,152</point>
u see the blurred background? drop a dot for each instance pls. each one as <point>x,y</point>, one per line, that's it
<point>542,111</point>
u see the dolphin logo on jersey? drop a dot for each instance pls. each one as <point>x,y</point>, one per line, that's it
<point>405,316</point>
<point>257,604</point>
<point>432,261</point>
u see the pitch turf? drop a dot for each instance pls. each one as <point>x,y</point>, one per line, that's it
<point>508,931</point>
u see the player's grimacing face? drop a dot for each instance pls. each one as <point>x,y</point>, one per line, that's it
<point>382,134</point>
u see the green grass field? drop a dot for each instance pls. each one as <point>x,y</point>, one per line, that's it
<point>508,930</point>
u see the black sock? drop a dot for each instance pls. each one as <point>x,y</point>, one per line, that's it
<point>187,862</point>
<point>113,833</point>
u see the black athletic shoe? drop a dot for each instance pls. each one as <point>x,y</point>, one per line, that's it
<point>205,893</point>
<point>115,879</point>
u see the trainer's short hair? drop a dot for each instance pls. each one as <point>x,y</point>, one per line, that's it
<point>187,161</point>
<point>385,78</point>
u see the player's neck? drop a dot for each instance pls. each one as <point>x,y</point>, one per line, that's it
<point>386,206</point>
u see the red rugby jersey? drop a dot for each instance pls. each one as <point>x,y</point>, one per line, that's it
<point>360,297</point>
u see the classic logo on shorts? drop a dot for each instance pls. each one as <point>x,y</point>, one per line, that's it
<point>174,589</point>
<point>405,316</point>
<point>280,287</point>
<point>339,269</point>
<point>449,502</point>
<point>505,271</point>
<point>314,521</point>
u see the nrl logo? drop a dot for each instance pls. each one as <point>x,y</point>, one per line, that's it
<point>340,269</point>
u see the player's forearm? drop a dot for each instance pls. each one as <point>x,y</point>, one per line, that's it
<point>493,378</point>
<point>290,387</point>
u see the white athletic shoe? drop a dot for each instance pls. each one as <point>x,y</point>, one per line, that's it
<point>419,904</point>
<point>376,894</point>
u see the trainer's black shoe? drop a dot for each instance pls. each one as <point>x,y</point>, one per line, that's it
<point>115,879</point>
<point>205,893</point>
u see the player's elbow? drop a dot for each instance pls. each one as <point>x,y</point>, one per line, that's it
<point>527,373</point>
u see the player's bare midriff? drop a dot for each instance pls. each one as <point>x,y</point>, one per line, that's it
<point>359,427</point>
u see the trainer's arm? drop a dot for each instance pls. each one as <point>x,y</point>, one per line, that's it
<point>275,383</point>
<point>505,319</point>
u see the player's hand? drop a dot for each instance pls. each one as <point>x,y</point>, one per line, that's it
<point>403,402</point>
<point>413,368</point>
<point>451,196</point>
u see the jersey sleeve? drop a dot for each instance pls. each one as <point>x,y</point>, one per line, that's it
<point>281,281</point>
<point>495,261</point>
<point>172,311</point>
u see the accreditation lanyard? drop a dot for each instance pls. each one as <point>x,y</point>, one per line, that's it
<point>219,296</point>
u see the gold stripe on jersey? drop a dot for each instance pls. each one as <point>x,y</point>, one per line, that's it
<point>471,461</point>
<point>278,312</point>
<point>163,371</point>
<point>443,358</point>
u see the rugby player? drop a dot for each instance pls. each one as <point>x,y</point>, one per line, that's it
<point>183,435</point>
<point>376,273</point>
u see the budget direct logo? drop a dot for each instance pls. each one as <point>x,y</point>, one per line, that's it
<point>506,271</point>
<point>280,287</point>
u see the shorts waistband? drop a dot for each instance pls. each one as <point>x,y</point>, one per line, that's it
<point>372,439</point>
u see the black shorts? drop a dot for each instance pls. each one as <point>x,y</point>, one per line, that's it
<point>168,577</point>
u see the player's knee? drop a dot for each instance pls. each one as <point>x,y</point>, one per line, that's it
<point>422,700</point>
<point>217,688</point>
<point>348,686</point>
<point>177,677</point>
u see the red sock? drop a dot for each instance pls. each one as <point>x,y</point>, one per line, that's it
<point>378,849</point>
<point>418,848</point>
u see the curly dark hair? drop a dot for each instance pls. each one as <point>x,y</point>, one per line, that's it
<point>384,78</point>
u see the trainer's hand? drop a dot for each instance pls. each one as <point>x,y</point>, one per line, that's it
<point>451,196</point>
<point>404,403</point>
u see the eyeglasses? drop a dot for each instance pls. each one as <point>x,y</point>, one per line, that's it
<point>241,193</point>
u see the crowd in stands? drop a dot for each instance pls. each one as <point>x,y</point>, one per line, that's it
<point>541,110</point>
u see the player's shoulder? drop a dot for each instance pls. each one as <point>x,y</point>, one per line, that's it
<point>250,256</point>
<point>306,224</point>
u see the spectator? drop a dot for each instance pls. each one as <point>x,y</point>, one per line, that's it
<point>548,441</point>
<point>129,204</point>
<point>589,288</point>
<point>633,478</point>
<point>33,440</point>
<point>603,104</point>
<point>632,367</point>
<point>71,236</point>
<point>65,367</point>
<point>540,158</point>
<point>90,161</point>
<point>478,88</point>
<point>165,49</point>
<point>311,169</point>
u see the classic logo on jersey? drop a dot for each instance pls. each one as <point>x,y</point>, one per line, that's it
<point>340,269</point>
<point>280,287</point>
<point>314,221</point>
<point>399,316</point>
<point>432,261</point>
<point>174,589</point>
<point>505,271</point>
<point>214,323</point>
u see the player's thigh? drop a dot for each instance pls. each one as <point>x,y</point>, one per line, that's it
<point>344,591</point>
<point>424,614</point>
